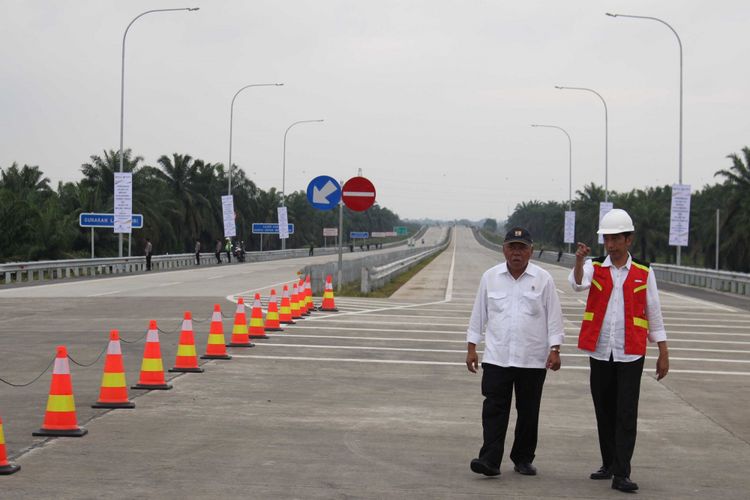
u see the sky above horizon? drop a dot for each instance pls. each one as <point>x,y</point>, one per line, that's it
<point>432,99</point>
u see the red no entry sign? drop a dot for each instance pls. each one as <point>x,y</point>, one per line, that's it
<point>358,194</point>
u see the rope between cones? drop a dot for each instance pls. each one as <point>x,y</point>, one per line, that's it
<point>35,379</point>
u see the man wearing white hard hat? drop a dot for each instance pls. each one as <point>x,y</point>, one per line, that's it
<point>622,313</point>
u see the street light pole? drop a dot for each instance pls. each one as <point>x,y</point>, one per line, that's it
<point>679,43</point>
<point>570,164</point>
<point>231,117</point>
<point>283,168</point>
<point>606,135</point>
<point>122,83</point>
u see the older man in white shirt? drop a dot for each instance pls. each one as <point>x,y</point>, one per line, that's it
<point>518,315</point>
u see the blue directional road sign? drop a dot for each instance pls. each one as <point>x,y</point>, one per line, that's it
<point>106,220</point>
<point>359,235</point>
<point>269,228</point>
<point>323,192</point>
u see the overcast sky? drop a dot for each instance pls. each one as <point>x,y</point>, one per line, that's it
<point>431,99</point>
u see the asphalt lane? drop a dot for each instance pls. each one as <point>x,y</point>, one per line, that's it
<point>372,402</point>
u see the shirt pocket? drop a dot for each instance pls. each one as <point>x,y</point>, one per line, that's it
<point>497,302</point>
<point>531,303</point>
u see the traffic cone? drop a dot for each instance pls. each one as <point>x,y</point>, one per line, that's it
<point>152,368</point>
<point>60,418</point>
<point>296,312</point>
<point>285,313</point>
<point>187,359</point>
<point>215,349</point>
<point>6,468</point>
<point>329,303</point>
<point>256,330</point>
<point>308,294</point>
<point>272,315</point>
<point>114,391</point>
<point>239,330</point>
<point>303,308</point>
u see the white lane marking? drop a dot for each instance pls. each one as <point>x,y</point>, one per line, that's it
<point>103,293</point>
<point>560,291</point>
<point>215,277</point>
<point>402,323</point>
<point>170,283</point>
<point>449,287</point>
<point>355,329</point>
<point>233,297</point>
<point>445,363</point>
<point>698,301</point>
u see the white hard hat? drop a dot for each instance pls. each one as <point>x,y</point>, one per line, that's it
<point>616,221</point>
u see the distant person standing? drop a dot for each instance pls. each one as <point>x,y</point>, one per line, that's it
<point>197,252</point>
<point>148,250</point>
<point>312,247</point>
<point>228,249</point>
<point>218,251</point>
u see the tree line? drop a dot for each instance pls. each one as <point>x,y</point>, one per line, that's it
<point>180,200</point>
<point>650,210</point>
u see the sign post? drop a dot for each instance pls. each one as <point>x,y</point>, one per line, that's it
<point>93,220</point>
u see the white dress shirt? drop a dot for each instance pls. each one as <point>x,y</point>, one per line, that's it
<point>612,335</point>
<point>518,319</point>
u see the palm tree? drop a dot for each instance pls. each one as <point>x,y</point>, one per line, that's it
<point>736,245</point>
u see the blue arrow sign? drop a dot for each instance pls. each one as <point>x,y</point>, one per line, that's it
<point>269,228</point>
<point>323,192</point>
<point>106,220</point>
<point>359,235</point>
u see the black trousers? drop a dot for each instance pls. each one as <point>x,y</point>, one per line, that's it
<point>148,262</point>
<point>615,389</point>
<point>197,258</point>
<point>498,384</point>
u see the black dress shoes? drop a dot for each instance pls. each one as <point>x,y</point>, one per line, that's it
<point>602,473</point>
<point>623,484</point>
<point>482,467</point>
<point>525,468</point>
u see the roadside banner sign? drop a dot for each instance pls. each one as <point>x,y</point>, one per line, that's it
<point>359,235</point>
<point>123,202</point>
<point>324,192</point>
<point>604,207</point>
<point>106,220</point>
<point>270,228</point>
<point>283,223</point>
<point>401,230</point>
<point>570,227</point>
<point>227,210</point>
<point>382,234</point>
<point>679,219</point>
<point>358,194</point>
<point>330,231</point>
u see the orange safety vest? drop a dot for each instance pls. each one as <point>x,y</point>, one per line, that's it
<point>634,298</point>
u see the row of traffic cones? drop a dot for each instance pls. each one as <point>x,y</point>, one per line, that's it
<point>60,417</point>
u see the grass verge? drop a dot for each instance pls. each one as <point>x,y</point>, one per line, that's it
<point>353,289</point>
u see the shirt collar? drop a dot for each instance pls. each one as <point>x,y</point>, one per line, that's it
<point>608,262</point>
<point>530,269</point>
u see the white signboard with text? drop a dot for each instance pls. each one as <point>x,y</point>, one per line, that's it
<point>604,207</point>
<point>570,227</point>
<point>330,231</point>
<point>283,224</point>
<point>227,209</point>
<point>123,202</point>
<point>679,220</point>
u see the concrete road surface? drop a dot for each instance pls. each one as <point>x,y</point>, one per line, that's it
<point>371,402</point>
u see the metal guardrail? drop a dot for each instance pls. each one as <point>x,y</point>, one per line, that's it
<point>375,277</point>
<point>720,281</point>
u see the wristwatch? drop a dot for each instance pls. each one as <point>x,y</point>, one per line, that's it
<point>554,349</point>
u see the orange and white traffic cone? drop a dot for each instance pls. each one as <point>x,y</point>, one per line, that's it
<point>308,294</point>
<point>239,330</point>
<point>296,312</point>
<point>215,348</point>
<point>114,390</point>
<point>303,307</point>
<point>256,329</point>
<point>187,358</point>
<point>329,303</point>
<point>60,418</point>
<point>152,368</point>
<point>6,467</point>
<point>272,315</point>
<point>285,312</point>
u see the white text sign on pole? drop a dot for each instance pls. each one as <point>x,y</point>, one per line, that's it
<point>123,202</point>
<point>330,231</point>
<point>570,227</point>
<point>227,209</point>
<point>604,207</point>
<point>679,220</point>
<point>283,224</point>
